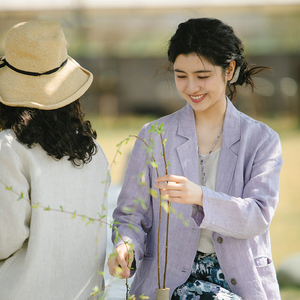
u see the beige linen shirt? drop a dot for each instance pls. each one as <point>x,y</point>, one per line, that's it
<point>47,250</point>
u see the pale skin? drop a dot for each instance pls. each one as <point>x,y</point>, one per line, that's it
<point>120,261</point>
<point>203,86</point>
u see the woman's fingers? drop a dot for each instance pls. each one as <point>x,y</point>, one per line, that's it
<point>171,178</point>
<point>120,261</point>
<point>180,189</point>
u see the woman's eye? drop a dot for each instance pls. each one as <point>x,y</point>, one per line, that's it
<point>204,77</point>
<point>181,76</point>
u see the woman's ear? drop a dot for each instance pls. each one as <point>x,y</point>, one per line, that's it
<point>230,70</point>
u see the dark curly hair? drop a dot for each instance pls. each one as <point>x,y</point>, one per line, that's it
<point>60,132</point>
<point>217,42</point>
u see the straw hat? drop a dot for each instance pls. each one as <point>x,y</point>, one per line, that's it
<point>36,70</point>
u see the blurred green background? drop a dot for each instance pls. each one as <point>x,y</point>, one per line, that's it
<point>124,43</point>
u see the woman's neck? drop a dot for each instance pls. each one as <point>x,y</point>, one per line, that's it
<point>212,118</point>
<point>208,126</point>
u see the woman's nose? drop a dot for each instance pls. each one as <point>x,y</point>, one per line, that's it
<point>193,87</point>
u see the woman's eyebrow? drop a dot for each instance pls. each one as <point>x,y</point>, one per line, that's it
<point>200,71</point>
<point>203,71</point>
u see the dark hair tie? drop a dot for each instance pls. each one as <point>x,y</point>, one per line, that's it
<point>5,63</point>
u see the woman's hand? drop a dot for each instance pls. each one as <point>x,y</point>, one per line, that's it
<point>179,189</point>
<point>120,261</point>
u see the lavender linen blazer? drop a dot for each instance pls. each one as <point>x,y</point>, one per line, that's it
<point>239,212</point>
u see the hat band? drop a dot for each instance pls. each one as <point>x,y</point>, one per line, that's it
<point>5,63</point>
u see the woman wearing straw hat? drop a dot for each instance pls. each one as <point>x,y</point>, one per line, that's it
<point>53,176</point>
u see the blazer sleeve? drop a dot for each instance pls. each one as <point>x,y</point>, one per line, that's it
<point>133,214</point>
<point>250,215</point>
<point>15,208</point>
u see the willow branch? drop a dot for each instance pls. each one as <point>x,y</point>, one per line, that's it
<point>168,216</point>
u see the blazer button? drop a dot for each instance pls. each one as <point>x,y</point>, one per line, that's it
<point>233,281</point>
<point>219,240</point>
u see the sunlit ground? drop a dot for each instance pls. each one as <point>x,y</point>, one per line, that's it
<point>285,228</point>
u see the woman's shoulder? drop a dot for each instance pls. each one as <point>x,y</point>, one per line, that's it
<point>256,128</point>
<point>9,140</point>
<point>167,121</point>
<point>7,135</point>
<point>100,154</point>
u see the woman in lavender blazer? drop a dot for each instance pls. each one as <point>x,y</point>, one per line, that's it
<point>224,181</point>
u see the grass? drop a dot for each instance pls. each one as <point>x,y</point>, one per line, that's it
<point>111,131</point>
<point>285,227</point>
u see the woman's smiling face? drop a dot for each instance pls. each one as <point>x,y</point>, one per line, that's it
<point>200,83</point>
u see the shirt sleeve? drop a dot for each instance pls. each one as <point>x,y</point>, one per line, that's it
<point>15,208</point>
<point>133,215</point>
<point>250,215</point>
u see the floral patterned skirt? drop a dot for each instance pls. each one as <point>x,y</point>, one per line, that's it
<point>206,282</point>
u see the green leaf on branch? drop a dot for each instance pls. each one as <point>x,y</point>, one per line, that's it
<point>172,209</point>
<point>165,206</point>
<point>90,221</point>
<point>118,145</point>
<point>127,210</point>
<point>161,128</point>
<point>186,223</point>
<point>8,188</point>
<point>21,197</point>
<point>163,197</point>
<point>116,239</point>
<point>96,291</point>
<point>47,208</point>
<point>140,201</point>
<point>141,179</point>
<point>101,217</point>
<point>74,215</point>
<point>153,164</point>
<point>35,206</point>
<point>133,227</point>
<point>153,193</point>
<point>180,216</point>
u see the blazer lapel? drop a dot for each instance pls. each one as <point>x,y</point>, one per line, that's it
<point>228,159</point>
<point>188,151</point>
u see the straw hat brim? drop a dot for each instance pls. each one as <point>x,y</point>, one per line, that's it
<point>45,92</point>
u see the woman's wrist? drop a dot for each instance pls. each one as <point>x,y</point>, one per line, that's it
<point>200,198</point>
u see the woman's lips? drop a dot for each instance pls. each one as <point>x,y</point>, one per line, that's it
<point>197,98</point>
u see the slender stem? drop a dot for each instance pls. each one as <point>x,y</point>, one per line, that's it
<point>93,295</point>
<point>159,218</point>
<point>158,240</point>
<point>132,135</point>
<point>127,289</point>
<point>168,216</point>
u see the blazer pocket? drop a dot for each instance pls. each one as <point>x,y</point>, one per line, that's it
<point>265,269</point>
<point>267,274</point>
<point>262,261</point>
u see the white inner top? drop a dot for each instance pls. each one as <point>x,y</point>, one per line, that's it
<point>205,244</point>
